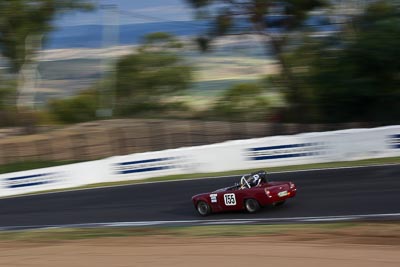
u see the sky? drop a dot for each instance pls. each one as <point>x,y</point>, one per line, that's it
<point>143,11</point>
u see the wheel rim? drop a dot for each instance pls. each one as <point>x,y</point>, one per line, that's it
<point>202,208</point>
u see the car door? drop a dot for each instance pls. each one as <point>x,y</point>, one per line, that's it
<point>231,199</point>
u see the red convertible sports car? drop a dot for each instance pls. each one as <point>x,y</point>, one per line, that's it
<point>253,192</point>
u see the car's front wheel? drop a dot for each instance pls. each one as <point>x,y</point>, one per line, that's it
<point>251,205</point>
<point>203,208</point>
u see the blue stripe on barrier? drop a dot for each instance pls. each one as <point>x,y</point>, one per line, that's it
<point>28,184</point>
<point>150,169</point>
<point>285,156</point>
<point>395,141</point>
<point>143,161</point>
<point>280,147</point>
<point>27,177</point>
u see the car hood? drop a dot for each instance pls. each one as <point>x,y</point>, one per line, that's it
<point>222,189</point>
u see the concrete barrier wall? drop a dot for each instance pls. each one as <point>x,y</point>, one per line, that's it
<point>344,145</point>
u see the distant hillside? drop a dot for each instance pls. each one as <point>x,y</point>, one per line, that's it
<point>90,36</point>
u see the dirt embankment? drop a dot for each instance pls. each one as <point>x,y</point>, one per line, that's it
<point>352,247</point>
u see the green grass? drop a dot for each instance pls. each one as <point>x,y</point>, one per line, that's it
<point>45,235</point>
<point>367,162</point>
<point>179,231</point>
<point>30,165</point>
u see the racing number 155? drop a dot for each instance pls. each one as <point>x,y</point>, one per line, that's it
<point>230,199</point>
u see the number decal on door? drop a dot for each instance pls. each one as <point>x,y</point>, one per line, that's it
<point>230,199</point>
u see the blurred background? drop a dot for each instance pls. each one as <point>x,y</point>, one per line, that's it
<point>83,80</point>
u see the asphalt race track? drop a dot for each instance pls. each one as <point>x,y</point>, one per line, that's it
<point>334,192</point>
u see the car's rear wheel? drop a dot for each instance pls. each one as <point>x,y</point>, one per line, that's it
<point>203,208</point>
<point>251,205</point>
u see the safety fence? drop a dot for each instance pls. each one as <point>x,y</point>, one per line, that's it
<point>96,140</point>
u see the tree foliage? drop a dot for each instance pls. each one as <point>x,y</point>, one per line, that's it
<point>256,16</point>
<point>7,92</point>
<point>22,18</point>
<point>242,102</point>
<point>75,109</point>
<point>145,78</point>
<point>357,78</point>
<point>160,41</point>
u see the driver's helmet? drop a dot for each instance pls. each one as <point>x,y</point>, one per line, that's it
<point>257,178</point>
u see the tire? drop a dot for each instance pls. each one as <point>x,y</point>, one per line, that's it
<point>251,205</point>
<point>203,208</point>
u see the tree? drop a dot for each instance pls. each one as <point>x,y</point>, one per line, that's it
<point>6,92</point>
<point>79,108</point>
<point>22,18</point>
<point>242,102</point>
<point>145,78</point>
<point>161,41</point>
<point>358,77</point>
<point>253,16</point>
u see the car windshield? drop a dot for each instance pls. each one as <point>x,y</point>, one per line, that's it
<point>254,179</point>
<point>244,182</point>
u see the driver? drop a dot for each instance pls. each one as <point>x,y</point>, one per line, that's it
<point>255,179</point>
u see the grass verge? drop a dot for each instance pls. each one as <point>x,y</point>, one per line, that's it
<point>31,165</point>
<point>358,229</point>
